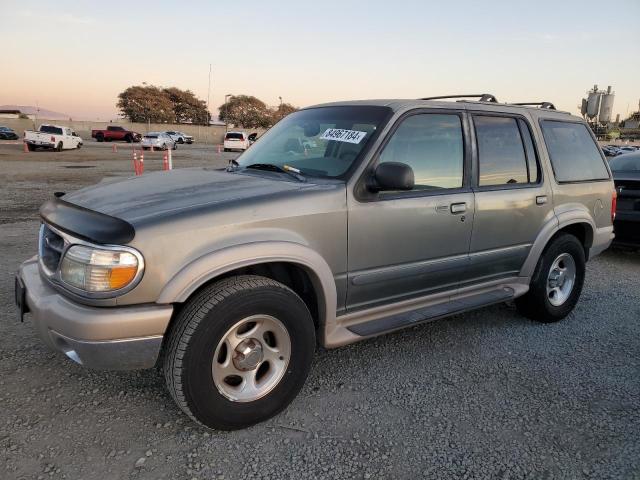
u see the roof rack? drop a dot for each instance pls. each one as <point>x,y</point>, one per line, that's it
<point>545,105</point>
<point>484,97</point>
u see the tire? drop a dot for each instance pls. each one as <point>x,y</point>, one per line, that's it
<point>59,147</point>
<point>31,148</point>
<point>164,147</point>
<point>128,138</point>
<point>194,347</point>
<point>540,305</point>
<point>79,146</point>
<point>180,140</point>
<point>99,137</point>
<point>145,148</point>
<point>226,149</point>
<point>175,146</point>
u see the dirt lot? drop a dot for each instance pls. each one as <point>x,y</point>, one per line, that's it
<point>482,395</point>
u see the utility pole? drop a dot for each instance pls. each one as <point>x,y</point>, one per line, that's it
<point>208,98</point>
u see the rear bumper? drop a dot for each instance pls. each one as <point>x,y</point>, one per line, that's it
<point>38,143</point>
<point>110,338</point>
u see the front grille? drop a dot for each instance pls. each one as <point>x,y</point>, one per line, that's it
<point>51,248</point>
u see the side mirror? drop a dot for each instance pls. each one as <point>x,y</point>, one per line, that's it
<point>392,176</point>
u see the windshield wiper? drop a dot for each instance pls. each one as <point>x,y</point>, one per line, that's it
<point>270,167</point>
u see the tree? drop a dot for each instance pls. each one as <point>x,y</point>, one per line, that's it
<point>246,111</point>
<point>282,111</point>
<point>142,104</point>
<point>187,108</point>
<point>162,105</point>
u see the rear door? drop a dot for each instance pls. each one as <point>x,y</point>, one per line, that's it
<point>414,243</point>
<point>512,198</point>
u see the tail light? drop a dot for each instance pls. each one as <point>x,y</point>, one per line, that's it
<point>53,139</point>
<point>614,205</point>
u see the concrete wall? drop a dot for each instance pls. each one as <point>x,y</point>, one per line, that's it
<point>202,134</point>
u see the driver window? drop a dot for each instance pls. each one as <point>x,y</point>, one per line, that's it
<point>432,145</point>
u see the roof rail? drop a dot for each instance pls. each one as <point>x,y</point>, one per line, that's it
<point>545,105</point>
<point>484,97</point>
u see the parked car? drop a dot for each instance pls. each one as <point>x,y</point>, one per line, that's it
<point>626,175</point>
<point>7,134</point>
<point>114,133</point>
<point>236,141</point>
<point>158,141</point>
<point>53,137</point>
<point>611,150</point>
<point>180,137</point>
<point>405,212</point>
<point>252,138</point>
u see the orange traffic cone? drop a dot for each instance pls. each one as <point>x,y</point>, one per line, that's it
<point>135,162</point>
<point>114,148</point>
<point>141,169</point>
<point>218,148</point>
<point>25,147</point>
<point>165,161</point>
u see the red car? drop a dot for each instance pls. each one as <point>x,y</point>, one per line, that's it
<point>114,133</point>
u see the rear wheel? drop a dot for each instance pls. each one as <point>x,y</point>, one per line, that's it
<point>239,352</point>
<point>557,281</point>
<point>31,147</point>
<point>99,137</point>
<point>59,147</point>
<point>79,146</point>
<point>128,138</point>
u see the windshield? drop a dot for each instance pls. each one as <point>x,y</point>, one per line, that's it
<point>322,142</point>
<point>629,162</point>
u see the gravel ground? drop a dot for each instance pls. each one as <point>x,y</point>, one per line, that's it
<point>486,394</point>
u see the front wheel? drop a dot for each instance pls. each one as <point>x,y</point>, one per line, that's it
<point>239,352</point>
<point>557,281</point>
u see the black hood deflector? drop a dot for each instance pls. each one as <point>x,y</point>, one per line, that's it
<point>85,223</point>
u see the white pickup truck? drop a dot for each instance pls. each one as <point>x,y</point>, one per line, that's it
<point>56,137</point>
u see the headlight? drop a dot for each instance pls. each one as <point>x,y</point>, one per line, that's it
<point>98,270</point>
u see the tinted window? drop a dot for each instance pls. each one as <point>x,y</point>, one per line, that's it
<point>115,129</point>
<point>432,145</point>
<point>501,153</point>
<point>51,129</point>
<point>574,155</point>
<point>628,162</point>
<point>234,136</point>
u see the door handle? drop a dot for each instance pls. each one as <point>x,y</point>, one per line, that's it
<point>458,208</point>
<point>541,199</point>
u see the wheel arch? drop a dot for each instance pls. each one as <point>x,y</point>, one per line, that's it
<point>297,266</point>
<point>575,223</point>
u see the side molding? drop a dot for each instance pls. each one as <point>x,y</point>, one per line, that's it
<point>216,263</point>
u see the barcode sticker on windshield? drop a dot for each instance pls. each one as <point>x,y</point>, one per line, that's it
<point>340,135</point>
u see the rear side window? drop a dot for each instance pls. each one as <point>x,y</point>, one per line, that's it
<point>574,155</point>
<point>501,153</point>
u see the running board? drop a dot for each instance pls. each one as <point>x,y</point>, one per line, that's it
<point>432,312</point>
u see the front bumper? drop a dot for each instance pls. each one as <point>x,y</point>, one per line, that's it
<point>109,338</point>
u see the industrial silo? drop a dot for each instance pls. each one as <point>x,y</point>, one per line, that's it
<point>606,106</point>
<point>593,102</point>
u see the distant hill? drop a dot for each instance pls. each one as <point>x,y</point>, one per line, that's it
<point>42,113</point>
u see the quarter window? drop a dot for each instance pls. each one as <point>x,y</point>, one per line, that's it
<point>501,155</point>
<point>432,145</point>
<point>574,155</point>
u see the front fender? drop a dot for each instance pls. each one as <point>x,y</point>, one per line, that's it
<point>213,264</point>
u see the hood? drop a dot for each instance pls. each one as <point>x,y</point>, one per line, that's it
<point>160,194</point>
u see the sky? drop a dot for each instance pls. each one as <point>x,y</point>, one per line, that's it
<point>75,57</point>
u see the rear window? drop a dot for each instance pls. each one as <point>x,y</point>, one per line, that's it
<point>234,136</point>
<point>575,157</point>
<point>625,163</point>
<point>50,129</point>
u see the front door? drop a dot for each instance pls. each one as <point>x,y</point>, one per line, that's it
<point>413,243</point>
